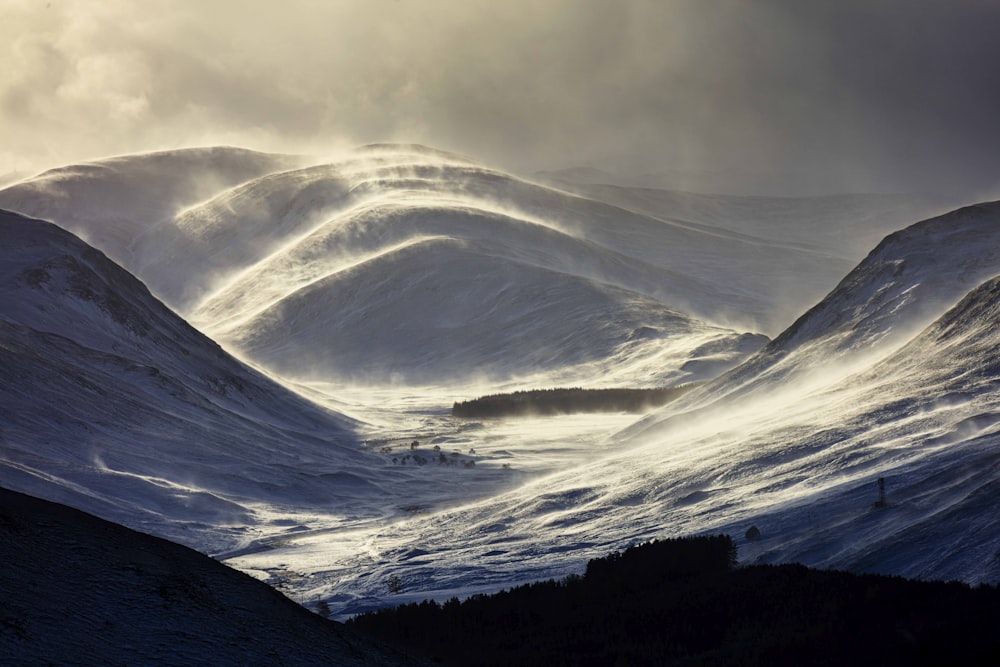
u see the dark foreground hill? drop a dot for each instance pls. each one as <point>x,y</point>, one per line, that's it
<point>75,589</point>
<point>684,602</point>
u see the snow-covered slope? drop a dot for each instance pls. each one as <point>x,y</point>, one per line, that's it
<point>78,590</point>
<point>926,418</point>
<point>933,421</point>
<point>114,404</point>
<point>444,309</point>
<point>908,280</point>
<point>894,374</point>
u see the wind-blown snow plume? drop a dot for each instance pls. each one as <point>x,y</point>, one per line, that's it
<point>359,268</point>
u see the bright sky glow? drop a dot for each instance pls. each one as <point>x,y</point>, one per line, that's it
<point>769,95</point>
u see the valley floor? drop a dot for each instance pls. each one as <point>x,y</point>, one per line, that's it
<point>456,465</point>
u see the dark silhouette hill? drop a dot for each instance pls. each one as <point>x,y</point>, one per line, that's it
<point>75,589</point>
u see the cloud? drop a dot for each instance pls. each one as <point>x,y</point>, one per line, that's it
<point>846,95</point>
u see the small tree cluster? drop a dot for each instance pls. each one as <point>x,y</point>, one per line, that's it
<point>394,584</point>
<point>546,402</point>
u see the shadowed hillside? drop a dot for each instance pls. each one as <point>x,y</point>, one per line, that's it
<point>78,590</point>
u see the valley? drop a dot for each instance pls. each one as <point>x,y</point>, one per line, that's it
<point>270,377</point>
<point>312,310</point>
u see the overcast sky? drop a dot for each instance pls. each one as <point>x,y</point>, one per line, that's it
<point>839,94</point>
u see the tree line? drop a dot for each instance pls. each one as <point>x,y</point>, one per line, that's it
<point>685,602</point>
<point>549,402</point>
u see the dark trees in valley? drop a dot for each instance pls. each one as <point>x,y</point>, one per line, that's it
<point>684,602</point>
<point>548,402</point>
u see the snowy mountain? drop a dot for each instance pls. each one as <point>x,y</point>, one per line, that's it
<point>111,402</point>
<point>892,375</point>
<point>342,262</point>
<point>325,270</point>
<point>397,266</point>
<point>78,590</point>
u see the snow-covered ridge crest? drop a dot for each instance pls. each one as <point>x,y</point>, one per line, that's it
<point>110,202</point>
<point>909,278</point>
<point>230,238</point>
